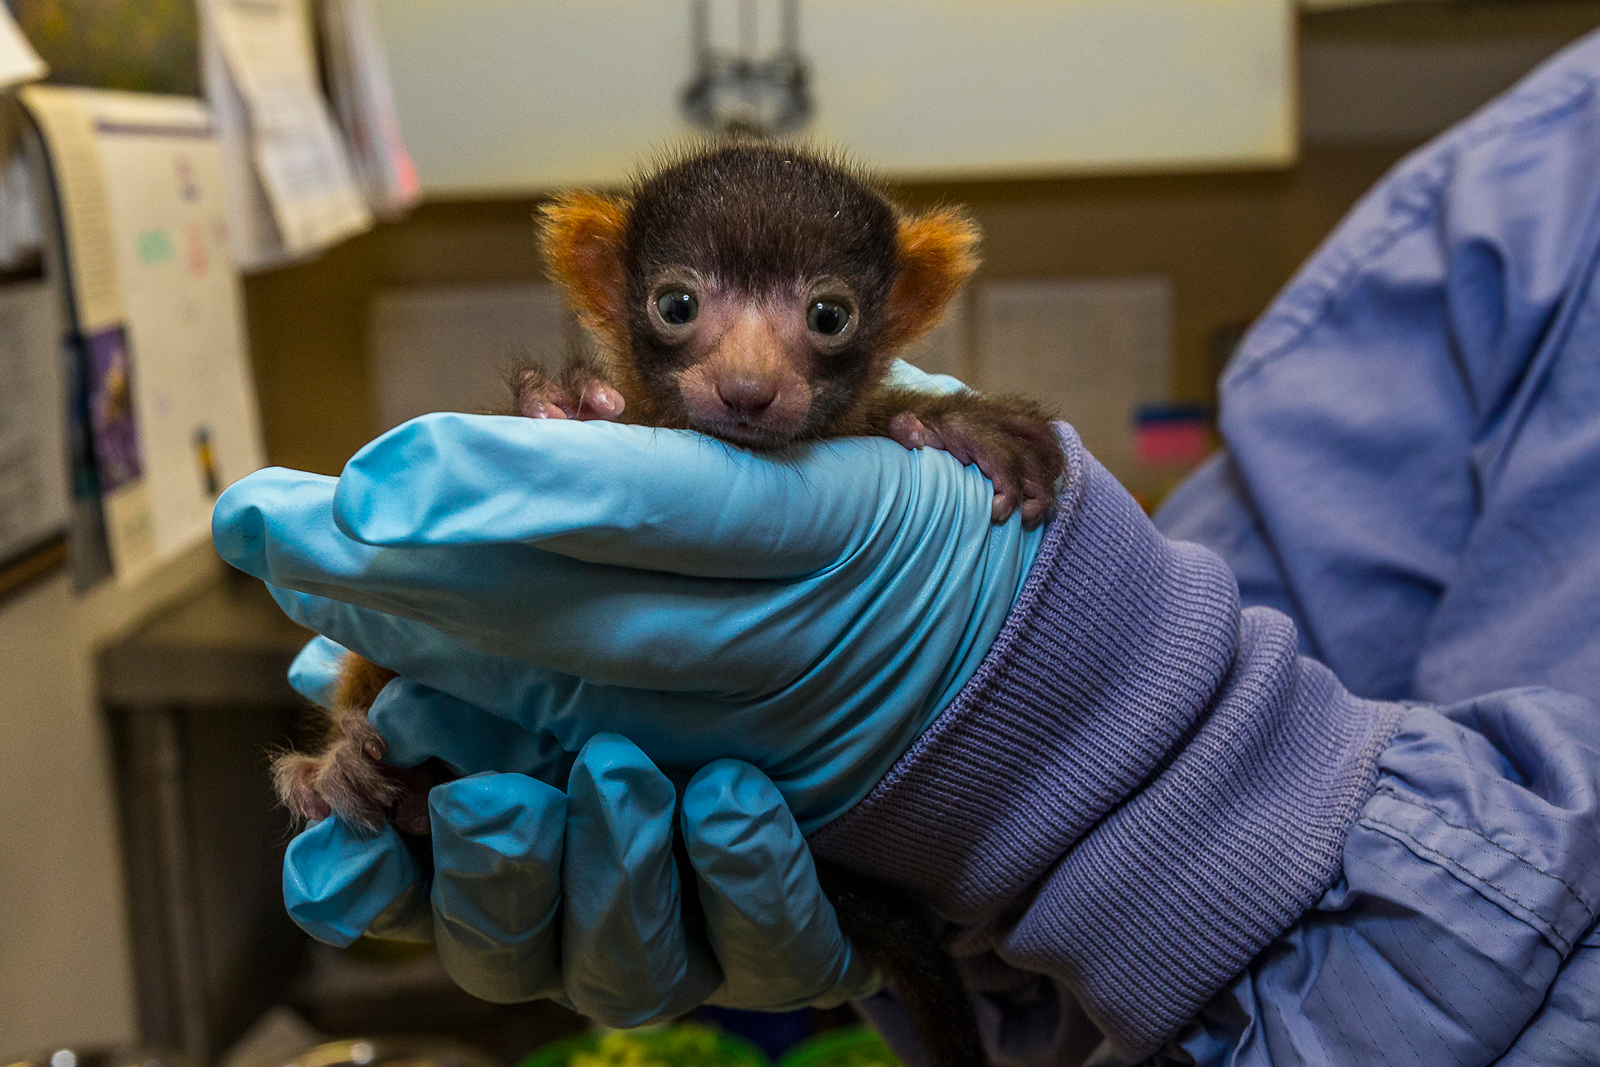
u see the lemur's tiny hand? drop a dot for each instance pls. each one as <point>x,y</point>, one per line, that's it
<point>1010,439</point>
<point>580,391</point>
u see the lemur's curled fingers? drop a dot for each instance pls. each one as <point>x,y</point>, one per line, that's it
<point>579,393</point>
<point>1015,449</point>
<point>968,447</point>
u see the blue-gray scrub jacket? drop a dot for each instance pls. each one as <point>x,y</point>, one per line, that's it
<point>1413,475</point>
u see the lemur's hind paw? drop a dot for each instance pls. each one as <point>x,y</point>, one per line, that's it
<point>348,778</point>
<point>580,391</point>
<point>345,780</point>
<point>348,781</point>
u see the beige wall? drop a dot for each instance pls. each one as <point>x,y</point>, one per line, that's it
<point>65,964</point>
<point>504,98</point>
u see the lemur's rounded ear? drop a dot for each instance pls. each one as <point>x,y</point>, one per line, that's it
<point>938,253</point>
<point>582,237</point>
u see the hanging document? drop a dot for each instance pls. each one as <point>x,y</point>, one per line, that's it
<point>155,311</point>
<point>363,101</point>
<point>292,188</point>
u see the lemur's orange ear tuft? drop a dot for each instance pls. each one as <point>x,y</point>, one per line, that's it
<point>582,237</point>
<point>938,253</point>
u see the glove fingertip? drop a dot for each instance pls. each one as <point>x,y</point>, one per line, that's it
<point>237,525</point>
<point>725,798</point>
<point>315,670</point>
<point>511,813</point>
<point>336,881</point>
<point>613,773</point>
<point>242,514</point>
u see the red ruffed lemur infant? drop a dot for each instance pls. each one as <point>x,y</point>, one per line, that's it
<point>757,293</point>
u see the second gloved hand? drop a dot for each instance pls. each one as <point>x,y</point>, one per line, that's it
<point>575,896</point>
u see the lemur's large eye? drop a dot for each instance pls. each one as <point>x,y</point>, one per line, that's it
<point>827,318</point>
<point>677,307</point>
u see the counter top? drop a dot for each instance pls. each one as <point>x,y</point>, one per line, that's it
<point>227,646</point>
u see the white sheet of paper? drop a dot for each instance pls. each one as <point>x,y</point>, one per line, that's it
<point>252,227</point>
<point>1094,349</point>
<point>363,99</point>
<point>80,186</point>
<point>33,463</point>
<point>297,150</point>
<point>18,61</point>
<point>99,319</point>
<point>193,393</point>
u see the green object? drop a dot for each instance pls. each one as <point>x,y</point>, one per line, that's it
<point>150,46</point>
<point>680,1045</point>
<point>848,1046</point>
<point>155,246</point>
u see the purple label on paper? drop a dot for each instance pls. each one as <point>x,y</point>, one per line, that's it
<point>116,433</point>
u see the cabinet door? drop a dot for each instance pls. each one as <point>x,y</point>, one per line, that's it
<point>514,96</point>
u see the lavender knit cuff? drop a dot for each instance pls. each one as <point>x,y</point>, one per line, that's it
<point>1141,786</point>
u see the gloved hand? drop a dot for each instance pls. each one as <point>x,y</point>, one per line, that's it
<point>576,897</point>
<point>808,614</point>
<point>820,579</point>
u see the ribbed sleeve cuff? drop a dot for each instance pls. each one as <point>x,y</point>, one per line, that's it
<point>1141,786</point>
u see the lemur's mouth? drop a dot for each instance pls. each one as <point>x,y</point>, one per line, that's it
<point>752,407</point>
<point>747,433</point>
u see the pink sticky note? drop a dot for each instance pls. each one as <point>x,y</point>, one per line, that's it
<point>1171,442</point>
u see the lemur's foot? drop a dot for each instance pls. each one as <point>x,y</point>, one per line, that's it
<point>348,778</point>
<point>345,780</point>
<point>1012,442</point>
<point>580,391</point>
<point>348,781</point>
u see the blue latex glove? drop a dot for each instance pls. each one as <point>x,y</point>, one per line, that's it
<point>575,896</point>
<point>809,615</point>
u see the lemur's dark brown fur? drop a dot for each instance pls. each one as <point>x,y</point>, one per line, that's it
<point>756,293</point>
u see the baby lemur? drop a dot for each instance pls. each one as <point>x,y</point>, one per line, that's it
<point>756,293</point>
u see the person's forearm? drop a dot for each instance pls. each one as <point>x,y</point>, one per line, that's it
<point>1141,787</point>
